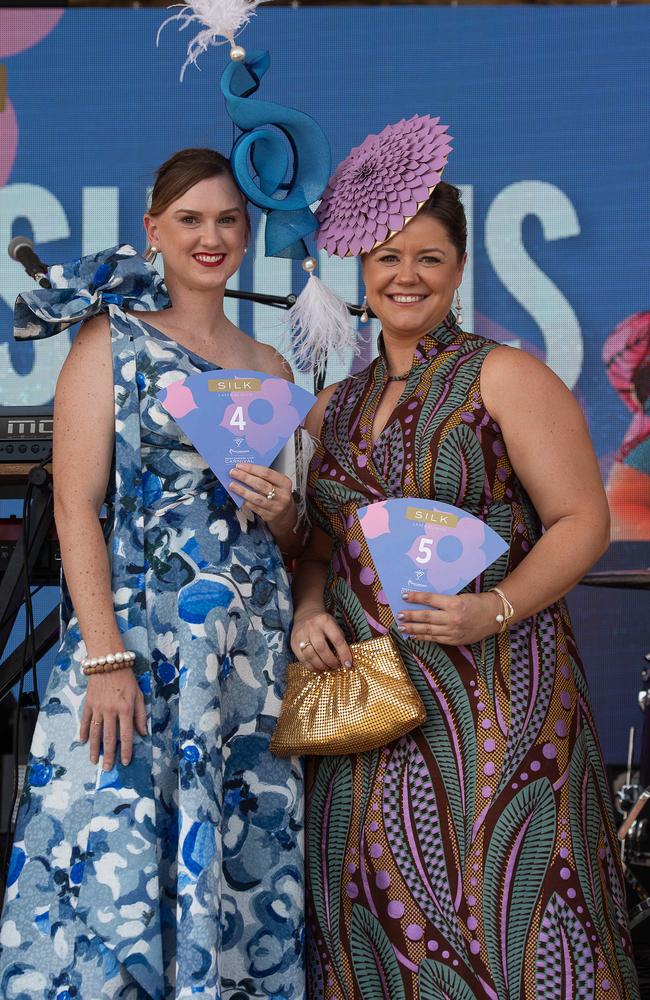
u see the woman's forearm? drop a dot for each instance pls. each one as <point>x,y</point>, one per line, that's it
<point>87,572</point>
<point>286,530</point>
<point>309,582</point>
<point>555,564</point>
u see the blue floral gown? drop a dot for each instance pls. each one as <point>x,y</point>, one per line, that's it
<point>180,875</point>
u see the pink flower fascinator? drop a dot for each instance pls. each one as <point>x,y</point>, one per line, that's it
<point>381,185</point>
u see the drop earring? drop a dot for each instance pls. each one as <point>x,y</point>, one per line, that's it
<point>364,305</point>
<point>150,254</point>
<point>459,309</point>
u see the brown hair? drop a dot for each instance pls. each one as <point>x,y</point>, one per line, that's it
<point>185,169</point>
<point>444,204</point>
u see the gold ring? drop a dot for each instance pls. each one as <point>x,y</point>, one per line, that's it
<point>304,644</point>
<point>96,723</point>
<point>271,494</point>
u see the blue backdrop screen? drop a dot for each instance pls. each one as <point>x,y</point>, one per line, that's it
<point>549,111</point>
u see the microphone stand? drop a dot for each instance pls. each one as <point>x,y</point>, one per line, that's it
<point>287,301</point>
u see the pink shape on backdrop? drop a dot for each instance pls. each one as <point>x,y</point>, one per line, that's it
<point>375,520</point>
<point>179,400</point>
<point>9,144</point>
<point>20,29</point>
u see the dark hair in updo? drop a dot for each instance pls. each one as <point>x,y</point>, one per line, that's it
<point>444,204</point>
<point>185,169</point>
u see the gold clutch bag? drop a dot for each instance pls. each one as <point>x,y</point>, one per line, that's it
<point>348,710</point>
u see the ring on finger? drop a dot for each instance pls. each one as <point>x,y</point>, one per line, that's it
<point>95,723</point>
<point>303,645</point>
<point>271,495</point>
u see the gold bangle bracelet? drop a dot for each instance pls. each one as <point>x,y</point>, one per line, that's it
<point>508,610</point>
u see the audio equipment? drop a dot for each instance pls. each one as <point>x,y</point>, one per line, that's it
<point>25,435</point>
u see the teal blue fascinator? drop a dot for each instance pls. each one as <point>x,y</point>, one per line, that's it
<point>281,162</point>
<point>264,153</point>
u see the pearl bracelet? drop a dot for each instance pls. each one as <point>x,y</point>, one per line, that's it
<point>104,664</point>
<point>508,610</point>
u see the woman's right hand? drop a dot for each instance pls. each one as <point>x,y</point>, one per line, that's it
<point>112,698</point>
<point>317,641</point>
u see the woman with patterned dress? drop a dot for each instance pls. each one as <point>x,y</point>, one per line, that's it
<point>474,858</point>
<point>166,863</point>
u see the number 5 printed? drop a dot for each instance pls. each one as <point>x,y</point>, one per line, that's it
<point>424,548</point>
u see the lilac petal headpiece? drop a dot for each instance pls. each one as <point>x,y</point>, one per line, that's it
<point>381,185</point>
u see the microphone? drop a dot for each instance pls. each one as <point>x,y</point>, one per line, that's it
<point>21,249</point>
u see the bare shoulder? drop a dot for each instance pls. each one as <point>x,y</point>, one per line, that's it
<point>270,361</point>
<point>314,421</point>
<point>90,352</point>
<point>94,330</point>
<point>513,377</point>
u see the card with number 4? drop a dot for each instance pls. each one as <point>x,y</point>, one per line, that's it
<point>233,416</point>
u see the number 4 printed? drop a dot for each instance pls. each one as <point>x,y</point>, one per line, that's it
<point>237,419</point>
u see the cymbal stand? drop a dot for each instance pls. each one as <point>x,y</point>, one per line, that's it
<point>14,585</point>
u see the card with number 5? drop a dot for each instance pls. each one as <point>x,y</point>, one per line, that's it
<point>426,545</point>
<point>233,416</point>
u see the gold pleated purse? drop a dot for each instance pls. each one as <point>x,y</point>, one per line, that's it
<point>348,710</point>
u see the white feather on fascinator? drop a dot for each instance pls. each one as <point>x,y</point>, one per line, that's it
<point>222,20</point>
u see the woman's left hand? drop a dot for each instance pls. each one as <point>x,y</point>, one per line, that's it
<point>450,621</point>
<point>266,492</point>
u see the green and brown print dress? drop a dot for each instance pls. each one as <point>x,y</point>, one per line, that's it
<point>475,858</point>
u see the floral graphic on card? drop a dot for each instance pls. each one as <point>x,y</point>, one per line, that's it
<point>233,416</point>
<point>425,545</point>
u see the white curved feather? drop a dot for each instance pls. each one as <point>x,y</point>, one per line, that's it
<point>305,446</point>
<point>320,325</point>
<point>222,20</point>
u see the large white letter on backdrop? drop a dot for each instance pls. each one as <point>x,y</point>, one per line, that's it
<point>49,222</point>
<point>100,219</point>
<point>467,287</point>
<point>525,281</point>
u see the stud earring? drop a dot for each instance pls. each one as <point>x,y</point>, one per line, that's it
<point>364,306</point>
<point>150,254</point>
<point>459,309</point>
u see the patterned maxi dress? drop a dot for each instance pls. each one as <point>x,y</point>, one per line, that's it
<point>180,875</point>
<point>475,858</point>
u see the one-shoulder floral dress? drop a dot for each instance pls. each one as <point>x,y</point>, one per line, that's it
<point>180,875</point>
<point>475,858</point>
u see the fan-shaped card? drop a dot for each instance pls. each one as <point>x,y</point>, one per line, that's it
<point>425,545</point>
<point>233,416</point>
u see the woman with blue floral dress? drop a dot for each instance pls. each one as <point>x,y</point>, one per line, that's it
<point>158,851</point>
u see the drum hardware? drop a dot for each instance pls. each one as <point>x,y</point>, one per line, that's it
<point>28,710</point>
<point>23,552</point>
<point>47,567</point>
<point>632,799</point>
<point>635,829</point>
<point>623,579</point>
<point>28,545</point>
<point>19,718</point>
<point>634,832</point>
